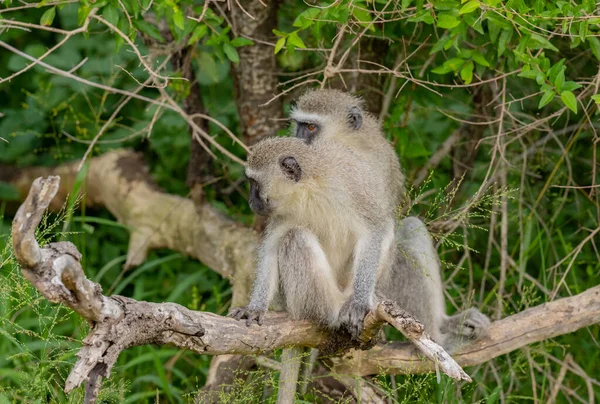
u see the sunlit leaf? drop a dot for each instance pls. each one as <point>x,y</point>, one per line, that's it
<point>448,21</point>
<point>546,98</point>
<point>279,45</point>
<point>231,53</point>
<point>469,7</point>
<point>48,16</point>
<point>569,100</point>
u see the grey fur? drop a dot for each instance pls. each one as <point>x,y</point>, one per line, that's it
<point>329,233</point>
<point>330,252</point>
<point>416,269</point>
<point>416,274</point>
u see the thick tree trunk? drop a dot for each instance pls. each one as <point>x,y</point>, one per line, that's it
<point>256,74</point>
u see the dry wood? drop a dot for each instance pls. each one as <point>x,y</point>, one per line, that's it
<point>118,323</point>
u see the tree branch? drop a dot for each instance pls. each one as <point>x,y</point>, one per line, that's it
<point>118,323</point>
<point>119,181</point>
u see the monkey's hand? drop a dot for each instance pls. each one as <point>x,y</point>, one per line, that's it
<point>249,314</point>
<point>352,316</point>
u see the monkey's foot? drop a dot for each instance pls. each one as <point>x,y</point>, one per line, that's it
<point>463,328</point>
<point>352,316</point>
<point>250,315</point>
<point>474,325</point>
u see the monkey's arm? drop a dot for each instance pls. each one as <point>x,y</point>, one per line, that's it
<point>267,275</point>
<point>372,253</point>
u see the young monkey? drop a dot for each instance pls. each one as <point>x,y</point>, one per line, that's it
<point>329,235</point>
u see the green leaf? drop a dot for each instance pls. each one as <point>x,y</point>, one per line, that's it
<point>469,7</point>
<point>231,53</point>
<point>439,45</point>
<point>279,33</point>
<point>280,44</point>
<point>528,73</point>
<point>199,32</point>
<point>554,70</point>
<point>505,37</point>
<point>494,30</point>
<point>583,27</point>
<point>560,80</point>
<point>443,69</point>
<point>596,98</point>
<point>455,63</point>
<point>148,29</point>
<point>362,15</point>
<point>240,41</point>
<point>480,59</point>
<point>111,14</point>
<point>306,18</point>
<point>179,19</point>
<point>48,16</point>
<point>466,73</point>
<point>568,98</point>
<point>295,40</point>
<point>594,46</point>
<point>447,21</point>
<point>543,42</point>
<point>82,13</point>
<point>546,98</point>
<point>570,86</point>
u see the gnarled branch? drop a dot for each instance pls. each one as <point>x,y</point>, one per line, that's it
<point>118,323</point>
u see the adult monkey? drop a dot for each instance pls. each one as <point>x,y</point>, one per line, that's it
<point>331,203</point>
<point>323,116</point>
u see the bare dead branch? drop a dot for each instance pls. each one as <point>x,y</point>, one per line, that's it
<point>118,323</point>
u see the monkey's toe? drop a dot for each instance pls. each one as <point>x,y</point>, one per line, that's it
<point>352,317</point>
<point>240,313</point>
<point>476,324</point>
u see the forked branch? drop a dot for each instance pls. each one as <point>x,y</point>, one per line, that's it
<point>118,323</point>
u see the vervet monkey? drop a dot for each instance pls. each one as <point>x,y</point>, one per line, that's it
<point>329,235</point>
<point>334,115</point>
<point>415,279</point>
<point>322,203</point>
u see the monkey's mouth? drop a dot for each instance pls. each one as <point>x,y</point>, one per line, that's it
<point>262,208</point>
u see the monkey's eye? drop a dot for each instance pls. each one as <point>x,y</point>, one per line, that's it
<point>311,127</point>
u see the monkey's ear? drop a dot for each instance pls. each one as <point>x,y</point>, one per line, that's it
<point>293,104</point>
<point>355,118</point>
<point>291,168</point>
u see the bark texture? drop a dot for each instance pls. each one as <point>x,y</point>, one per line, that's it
<point>256,73</point>
<point>118,323</point>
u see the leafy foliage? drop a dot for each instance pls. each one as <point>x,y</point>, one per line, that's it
<point>518,80</point>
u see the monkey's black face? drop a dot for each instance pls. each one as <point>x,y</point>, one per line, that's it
<point>257,204</point>
<point>307,131</point>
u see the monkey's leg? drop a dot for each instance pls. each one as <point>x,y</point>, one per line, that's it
<point>308,284</point>
<point>415,283</point>
<point>310,291</point>
<point>414,280</point>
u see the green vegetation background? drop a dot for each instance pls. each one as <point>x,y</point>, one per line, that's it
<point>453,44</point>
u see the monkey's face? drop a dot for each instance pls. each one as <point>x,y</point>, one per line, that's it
<point>272,184</point>
<point>312,118</point>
